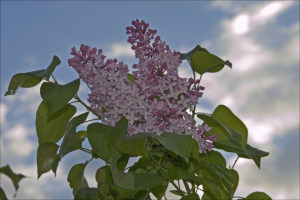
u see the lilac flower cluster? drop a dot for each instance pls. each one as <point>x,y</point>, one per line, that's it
<point>156,101</point>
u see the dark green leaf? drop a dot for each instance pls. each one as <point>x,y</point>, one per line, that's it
<point>87,194</point>
<point>235,181</point>
<point>46,156</point>
<point>213,157</point>
<point>258,196</point>
<point>133,181</point>
<point>76,177</point>
<point>57,96</point>
<point>253,153</point>
<point>102,137</point>
<point>144,164</point>
<point>103,176</point>
<point>123,161</point>
<point>31,79</point>
<point>179,144</point>
<point>202,61</point>
<point>192,196</point>
<point>72,141</point>
<point>24,80</point>
<point>15,178</point>
<point>2,194</point>
<point>133,145</point>
<point>159,191</point>
<point>52,130</point>
<point>188,55</point>
<point>211,188</point>
<point>50,69</point>
<point>55,164</point>
<point>231,134</point>
<point>178,192</point>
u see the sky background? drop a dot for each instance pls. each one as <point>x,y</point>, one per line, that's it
<point>260,38</point>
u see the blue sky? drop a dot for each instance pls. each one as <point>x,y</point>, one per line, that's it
<point>260,38</point>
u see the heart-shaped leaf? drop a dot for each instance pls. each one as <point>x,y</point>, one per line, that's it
<point>57,96</point>
<point>52,130</point>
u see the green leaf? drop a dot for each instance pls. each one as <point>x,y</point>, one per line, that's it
<point>103,176</point>
<point>131,78</point>
<point>144,164</point>
<point>231,134</point>
<point>50,69</point>
<point>46,156</point>
<point>123,161</point>
<point>87,194</point>
<point>213,157</point>
<point>15,178</point>
<point>72,141</point>
<point>226,117</point>
<point>179,144</point>
<point>31,79</point>
<point>2,194</point>
<point>258,196</point>
<point>76,177</point>
<point>55,164</point>
<point>188,55</point>
<point>83,134</point>
<point>202,61</point>
<point>235,181</point>
<point>192,196</point>
<point>102,137</point>
<point>225,125</point>
<point>24,80</point>
<point>133,181</point>
<point>57,96</point>
<point>133,145</point>
<point>178,192</point>
<point>253,153</point>
<point>211,188</point>
<point>52,130</point>
<point>159,191</point>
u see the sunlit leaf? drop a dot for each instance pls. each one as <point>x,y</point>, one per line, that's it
<point>188,55</point>
<point>202,61</point>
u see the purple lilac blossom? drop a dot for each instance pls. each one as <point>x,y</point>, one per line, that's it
<point>156,102</point>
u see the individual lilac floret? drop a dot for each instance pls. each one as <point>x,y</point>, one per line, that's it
<point>156,102</point>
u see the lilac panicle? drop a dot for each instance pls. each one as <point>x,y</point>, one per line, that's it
<point>157,101</point>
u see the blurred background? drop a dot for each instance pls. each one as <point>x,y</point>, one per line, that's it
<point>260,38</point>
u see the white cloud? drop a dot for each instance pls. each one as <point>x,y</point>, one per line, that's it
<point>17,142</point>
<point>120,50</point>
<point>3,111</point>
